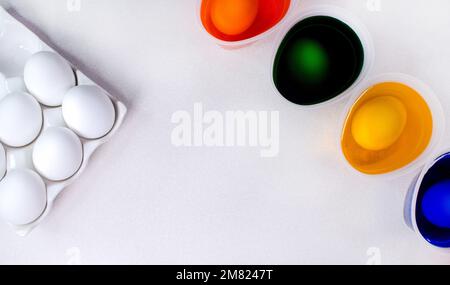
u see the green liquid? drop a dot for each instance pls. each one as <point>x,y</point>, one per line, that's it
<point>309,61</point>
<point>319,58</point>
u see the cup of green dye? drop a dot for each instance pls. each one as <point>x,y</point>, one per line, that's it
<point>320,56</point>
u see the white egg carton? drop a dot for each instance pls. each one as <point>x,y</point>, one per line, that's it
<point>17,45</point>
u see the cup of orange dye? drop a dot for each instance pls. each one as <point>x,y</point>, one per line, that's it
<point>391,127</point>
<point>238,23</point>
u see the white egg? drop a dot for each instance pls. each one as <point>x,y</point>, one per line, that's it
<point>20,119</point>
<point>23,197</point>
<point>48,77</point>
<point>57,154</point>
<point>88,111</point>
<point>3,163</point>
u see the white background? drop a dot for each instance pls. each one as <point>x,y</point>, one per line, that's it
<point>144,201</point>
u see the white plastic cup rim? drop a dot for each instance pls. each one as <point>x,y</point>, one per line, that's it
<point>436,110</point>
<point>344,16</point>
<point>246,42</point>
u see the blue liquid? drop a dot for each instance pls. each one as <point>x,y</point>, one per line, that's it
<point>436,204</point>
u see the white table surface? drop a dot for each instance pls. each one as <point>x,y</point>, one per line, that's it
<point>144,201</point>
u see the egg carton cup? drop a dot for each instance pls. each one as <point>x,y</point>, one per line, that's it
<point>438,123</point>
<point>17,44</point>
<point>247,42</point>
<point>346,17</point>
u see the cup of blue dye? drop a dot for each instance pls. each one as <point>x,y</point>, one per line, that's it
<point>427,206</point>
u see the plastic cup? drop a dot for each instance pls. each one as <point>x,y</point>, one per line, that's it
<point>437,115</point>
<point>434,171</point>
<point>262,27</point>
<point>351,23</point>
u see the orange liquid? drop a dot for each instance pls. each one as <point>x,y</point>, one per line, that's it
<point>270,13</point>
<point>411,144</point>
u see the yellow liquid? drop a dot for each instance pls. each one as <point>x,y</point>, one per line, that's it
<point>412,142</point>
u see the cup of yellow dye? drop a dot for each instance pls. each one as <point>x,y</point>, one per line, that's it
<point>238,23</point>
<point>391,126</point>
<point>320,56</point>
